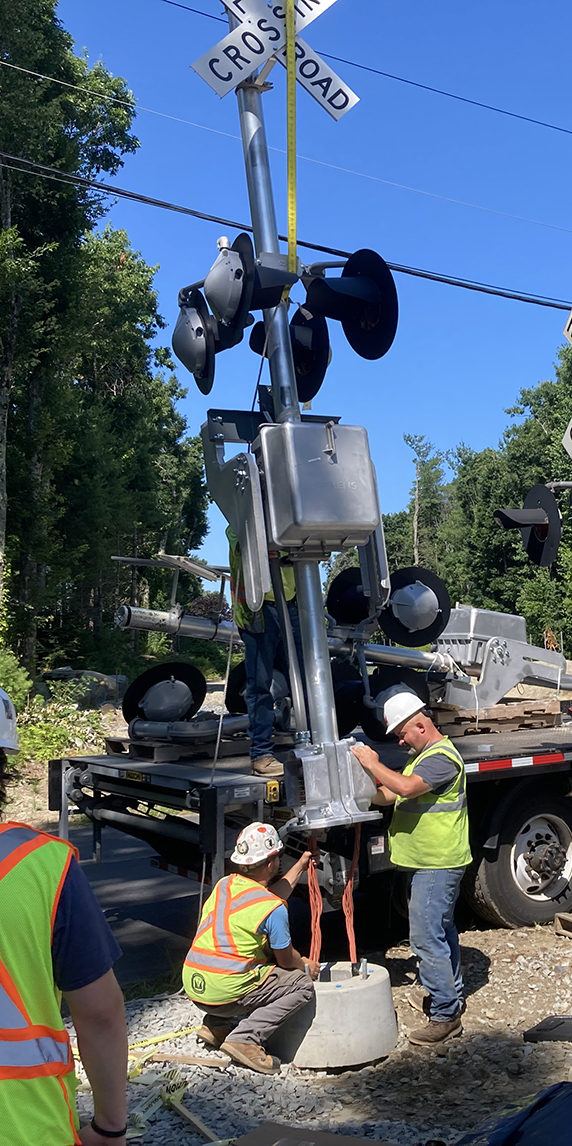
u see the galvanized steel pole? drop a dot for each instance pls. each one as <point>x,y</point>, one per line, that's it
<point>323,722</point>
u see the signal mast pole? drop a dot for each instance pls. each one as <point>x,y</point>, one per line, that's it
<point>323,721</point>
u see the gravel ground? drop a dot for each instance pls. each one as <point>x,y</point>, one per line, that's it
<point>513,979</point>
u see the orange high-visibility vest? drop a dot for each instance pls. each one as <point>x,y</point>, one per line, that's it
<point>37,1079</point>
<point>228,957</point>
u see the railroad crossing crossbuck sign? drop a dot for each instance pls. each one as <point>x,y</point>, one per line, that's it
<point>261,35</point>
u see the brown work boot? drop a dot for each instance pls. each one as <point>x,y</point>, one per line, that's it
<point>249,1054</point>
<point>267,766</point>
<point>213,1038</point>
<point>419,999</point>
<point>435,1033</point>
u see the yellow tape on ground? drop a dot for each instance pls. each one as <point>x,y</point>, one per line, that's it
<point>163,1038</point>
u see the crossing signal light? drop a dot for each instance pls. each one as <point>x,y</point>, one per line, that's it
<point>310,350</point>
<point>363,298</point>
<point>418,608</point>
<point>235,285</point>
<point>193,339</point>
<point>539,522</point>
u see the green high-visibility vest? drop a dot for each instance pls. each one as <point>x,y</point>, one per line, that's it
<point>244,617</point>
<point>37,1077</point>
<point>228,956</point>
<point>430,831</point>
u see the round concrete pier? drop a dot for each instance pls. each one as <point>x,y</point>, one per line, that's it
<point>351,1022</point>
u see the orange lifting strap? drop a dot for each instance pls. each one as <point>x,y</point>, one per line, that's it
<point>316,902</point>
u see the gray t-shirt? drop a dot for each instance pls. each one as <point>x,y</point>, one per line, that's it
<point>438,771</point>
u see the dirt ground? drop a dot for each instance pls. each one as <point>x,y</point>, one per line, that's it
<point>513,980</point>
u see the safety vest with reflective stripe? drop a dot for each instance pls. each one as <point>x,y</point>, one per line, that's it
<point>37,1079</point>
<point>228,957</point>
<point>430,831</point>
<point>243,615</point>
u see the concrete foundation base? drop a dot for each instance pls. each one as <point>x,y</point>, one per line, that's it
<point>351,1022</point>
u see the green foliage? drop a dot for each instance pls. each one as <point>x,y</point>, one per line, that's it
<point>61,727</point>
<point>14,679</point>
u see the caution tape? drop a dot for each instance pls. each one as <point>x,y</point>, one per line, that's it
<point>163,1038</point>
<point>145,1043</point>
<point>172,1087</point>
<point>136,1070</point>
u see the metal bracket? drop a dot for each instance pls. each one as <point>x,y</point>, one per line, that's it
<point>235,487</point>
<point>328,787</point>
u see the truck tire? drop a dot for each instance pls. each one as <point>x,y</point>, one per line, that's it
<point>529,876</point>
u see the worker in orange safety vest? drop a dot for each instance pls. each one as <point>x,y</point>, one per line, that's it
<point>54,938</point>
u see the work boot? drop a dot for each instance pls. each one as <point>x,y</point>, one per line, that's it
<point>420,1000</point>
<point>435,1033</point>
<point>213,1038</point>
<point>267,766</point>
<point>252,1055</point>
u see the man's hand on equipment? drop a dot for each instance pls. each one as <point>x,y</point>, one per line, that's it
<point>313,967</point>
<point>366,756</point>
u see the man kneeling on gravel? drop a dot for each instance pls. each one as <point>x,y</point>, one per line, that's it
<point>242,965</point>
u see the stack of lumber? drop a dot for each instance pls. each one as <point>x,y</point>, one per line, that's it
<point>504,717</point>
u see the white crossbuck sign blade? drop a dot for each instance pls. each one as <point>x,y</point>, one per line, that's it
<point>262,34</point>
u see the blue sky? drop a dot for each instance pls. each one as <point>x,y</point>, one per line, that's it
<point>459,358</point>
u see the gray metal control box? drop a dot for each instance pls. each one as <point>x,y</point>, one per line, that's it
<point>320,486</point>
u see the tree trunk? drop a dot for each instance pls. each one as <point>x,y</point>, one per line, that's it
<point>33,536</point>
<point>7,348</point>
<point>416,517</point>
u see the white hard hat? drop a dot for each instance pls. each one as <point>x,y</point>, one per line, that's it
<point>255,844</point>
<point>399,704</point>
<point>8,731</point>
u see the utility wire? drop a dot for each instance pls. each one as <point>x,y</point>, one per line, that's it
<point>305,158</point>
<point>42,170</point>
<point>402,79</point>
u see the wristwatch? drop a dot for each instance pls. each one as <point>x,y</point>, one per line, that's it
<point>108,1133</point>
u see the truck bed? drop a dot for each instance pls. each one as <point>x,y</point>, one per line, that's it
<point>544,749</point>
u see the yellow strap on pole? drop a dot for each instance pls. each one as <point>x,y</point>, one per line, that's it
<point>291,134</point>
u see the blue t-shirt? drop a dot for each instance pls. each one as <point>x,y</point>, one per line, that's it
<point>83,945</point>
<point>276,927</point>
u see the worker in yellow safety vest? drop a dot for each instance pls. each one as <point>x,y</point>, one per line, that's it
<point>54,938</point>
<point>242,969</point>
<point>263,652</point>
<point>428,836</point>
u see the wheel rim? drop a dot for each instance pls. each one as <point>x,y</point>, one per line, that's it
<point>541,858</point>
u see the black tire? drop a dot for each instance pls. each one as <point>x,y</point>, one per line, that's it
<point>493,886</point>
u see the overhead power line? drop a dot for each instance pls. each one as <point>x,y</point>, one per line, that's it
<point>281,151</point>
<point>42,170</point>
<point>401,79</point>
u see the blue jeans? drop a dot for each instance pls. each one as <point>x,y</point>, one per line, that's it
<point>262,653</point>
<point>434,939</point>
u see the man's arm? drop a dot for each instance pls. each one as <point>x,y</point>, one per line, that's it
<point>392,782</point>
<point>284,886</point>
<point>291,960</point>
<point>98,1015</point>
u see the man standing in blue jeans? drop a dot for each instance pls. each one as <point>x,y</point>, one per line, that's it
<point>263,652</point>
<point>429,836</point>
